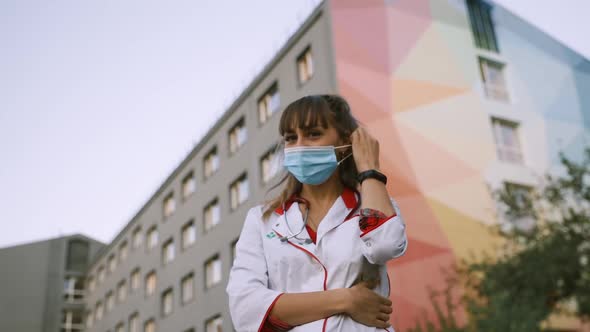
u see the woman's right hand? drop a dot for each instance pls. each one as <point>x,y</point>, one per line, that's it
<point>367,307</point>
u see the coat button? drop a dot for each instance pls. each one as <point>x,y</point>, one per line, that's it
<point>368,244</point>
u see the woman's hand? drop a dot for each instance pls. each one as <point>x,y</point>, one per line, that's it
<point>367,307</point>
<point>365,150</point>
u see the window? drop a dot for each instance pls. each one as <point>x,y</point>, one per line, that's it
<point>268,103</point>
<point>482,26</point>
<point>73,289</point>
<point>237,136</point>
<point>136,238</point>
<point>133,325</point>
<point>100,273</point>
<point>89,319</point>
<point>167,302</point>
<point>120,327</point>
<point>212,271</point>
<point>112,263</point>
<point>134,279</point>
<point>188,234</point>
<point>188,185</point>
<point>122,291</point>
<point>150,283</point>
<point>152,237</point>
<point>72,321</point>
<point>507,142</point>
<point>305,66</point>
<point>77,255</point>
<point>110,301</point>
<point>214,324</point>
<point>269,165</point>
<point>123,251</point>
<point>169,205</point>
<point>99,310</point>
<point>211,215</point>
<point>187,288</point>
<point>149,325</point>
<point>211,162</point>
<point>521,193</point>
<point>239,191</point>
<point>168,251</point>
<point>494,83</point>
<point>91,284</point>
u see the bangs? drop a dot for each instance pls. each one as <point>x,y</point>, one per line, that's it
<point>305,113</point>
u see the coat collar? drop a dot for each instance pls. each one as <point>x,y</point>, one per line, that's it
<point>338,213</point>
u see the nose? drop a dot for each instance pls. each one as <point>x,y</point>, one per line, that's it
<point>300,138</point>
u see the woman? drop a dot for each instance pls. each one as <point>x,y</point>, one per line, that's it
<point>313,259</point>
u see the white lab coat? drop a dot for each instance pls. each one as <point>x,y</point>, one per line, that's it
<point>265,267</point>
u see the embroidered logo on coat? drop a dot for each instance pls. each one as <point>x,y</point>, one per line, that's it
<point>271,235</point>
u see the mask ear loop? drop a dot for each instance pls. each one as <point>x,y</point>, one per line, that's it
<point>343,159</point>
<point>343,146</point>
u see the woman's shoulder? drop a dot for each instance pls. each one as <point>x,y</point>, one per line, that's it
<point>257,214</point>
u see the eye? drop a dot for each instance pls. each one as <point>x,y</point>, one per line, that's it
<point>314,133</point>
<point>290,137</point>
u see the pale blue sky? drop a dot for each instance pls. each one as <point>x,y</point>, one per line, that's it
<point>100,100</point>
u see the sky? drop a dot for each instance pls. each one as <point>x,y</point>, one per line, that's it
<point>101,100</point>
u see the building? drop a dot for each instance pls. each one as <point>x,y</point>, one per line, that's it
<point>464,97</point>
<point>42,284</point>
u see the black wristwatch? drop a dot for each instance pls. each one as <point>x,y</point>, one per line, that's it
<point>373,174</point>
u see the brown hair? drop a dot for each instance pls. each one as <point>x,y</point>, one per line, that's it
<point>307,112</point>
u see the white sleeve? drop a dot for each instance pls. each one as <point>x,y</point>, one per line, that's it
<point>387,240</point>
<point>250,300</point>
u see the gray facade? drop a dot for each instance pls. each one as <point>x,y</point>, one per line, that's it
<point>42,282</point>
<point>280,75</point>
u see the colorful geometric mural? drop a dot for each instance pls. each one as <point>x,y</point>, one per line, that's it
<point>408,70</point>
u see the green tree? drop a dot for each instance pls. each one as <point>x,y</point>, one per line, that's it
<point>543,264</point>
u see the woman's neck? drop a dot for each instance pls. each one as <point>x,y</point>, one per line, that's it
<point>323,195</point>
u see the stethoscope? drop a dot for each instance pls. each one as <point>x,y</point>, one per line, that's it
<point>291,235</point>
<point>295,235</point>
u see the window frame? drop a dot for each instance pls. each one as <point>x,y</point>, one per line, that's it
<point>166,246</point>
<point>163,312</point>
<point>193,229</point>
<point>267,98</point>
<point>165,203</point>
<point>501,149</point>
<point>213,203</point>
<point>241,180</point>
<point>305,57</point>
<point>191,276</point>
<point>213,155</point>
<point>238,128</point>
<point>188,178</point>
<point>214,258</point>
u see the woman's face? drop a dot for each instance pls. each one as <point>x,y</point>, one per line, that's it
<point>313,136</point>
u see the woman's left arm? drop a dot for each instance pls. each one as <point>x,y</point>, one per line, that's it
<point>383,230</point>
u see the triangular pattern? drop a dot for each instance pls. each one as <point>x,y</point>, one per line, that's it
<point>421,65</point>
<point>407,69</point>
<point>407,94</point>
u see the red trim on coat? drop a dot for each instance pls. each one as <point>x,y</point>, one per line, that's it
<point>268,312</point>
<point>313,235</point>
<point>312,256</point>
<point>275,325</point>
<point>376,224</point>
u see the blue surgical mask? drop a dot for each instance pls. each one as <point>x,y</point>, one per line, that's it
<point>312,164</point>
